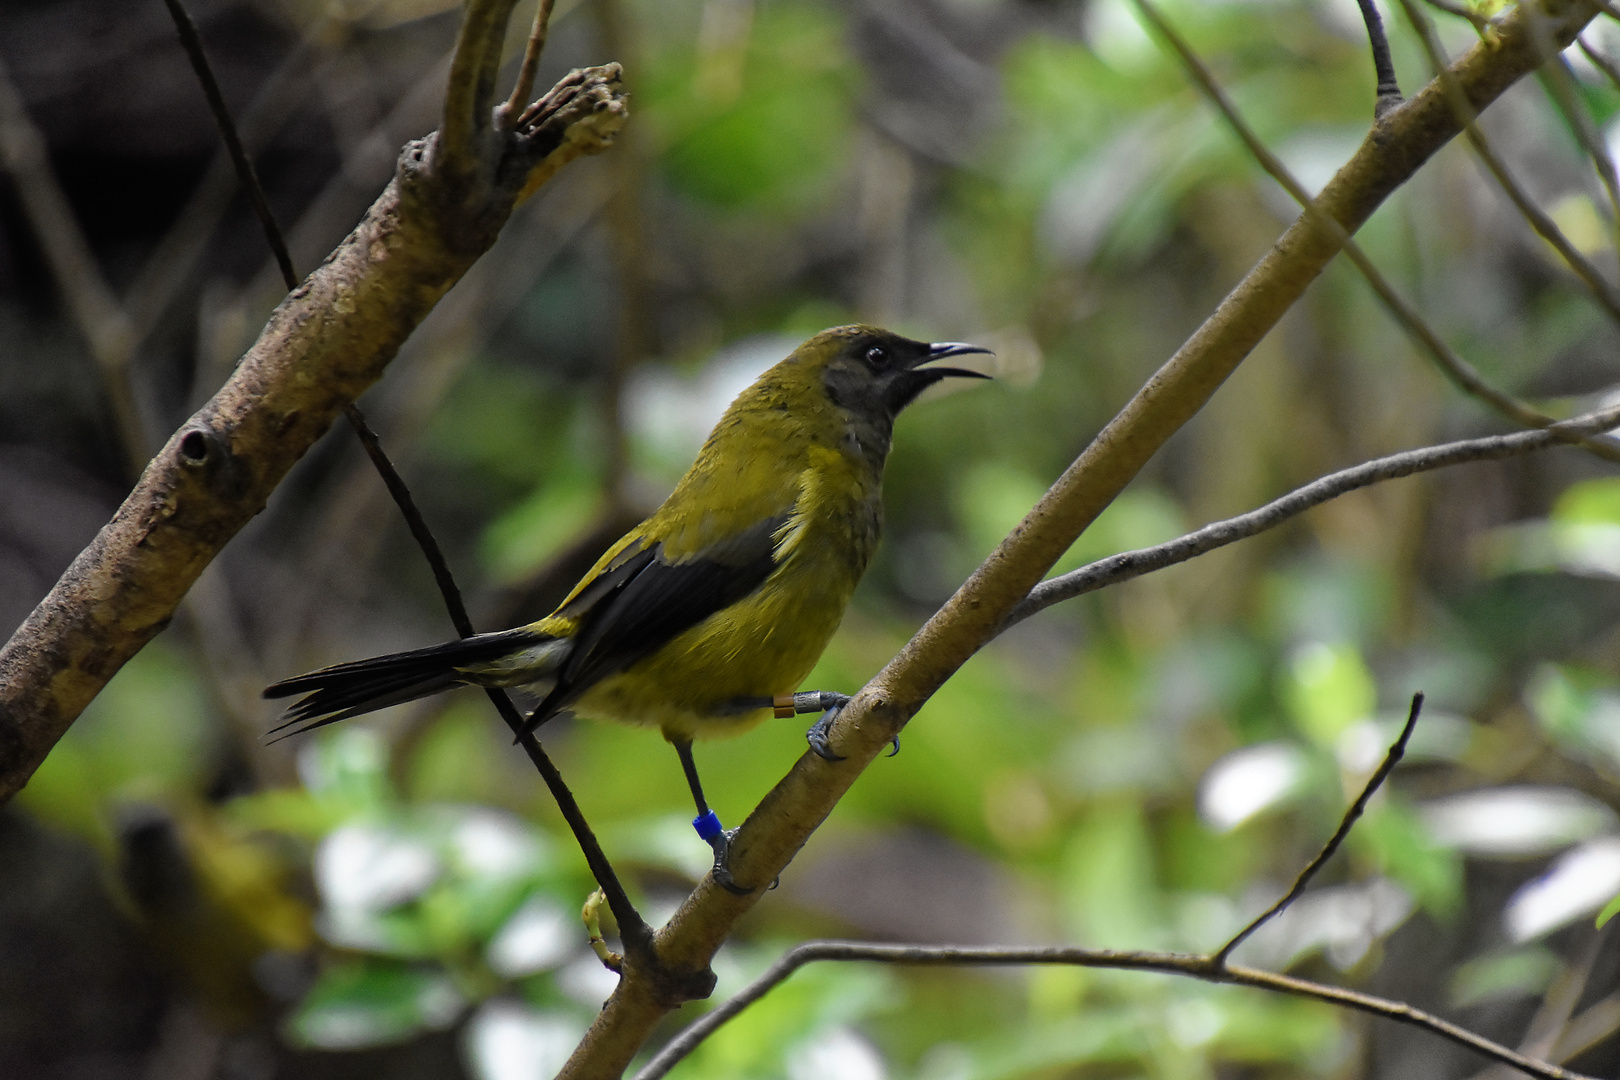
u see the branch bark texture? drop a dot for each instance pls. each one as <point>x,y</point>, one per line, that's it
<point>328,341</point>
<point>1397,146</point>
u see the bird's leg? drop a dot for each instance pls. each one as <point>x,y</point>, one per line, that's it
<point>826,702</point>
<point>829,704</point>
<point>707,824</point>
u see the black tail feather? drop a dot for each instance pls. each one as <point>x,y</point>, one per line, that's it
<point>361,686</point>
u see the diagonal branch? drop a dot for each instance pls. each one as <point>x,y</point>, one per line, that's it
<point>1541,40</point>
<point>1400,142</point>
<point>633,928</point>
<point>1460,371</point>
<point>1211,967</point>
<point>248,177</point>
<point>330,339</point>
<point>1133,564</point>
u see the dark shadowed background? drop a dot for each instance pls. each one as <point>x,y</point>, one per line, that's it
<point>1146,767</point>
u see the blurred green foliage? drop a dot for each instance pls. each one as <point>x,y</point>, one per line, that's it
<point>1074,770</point>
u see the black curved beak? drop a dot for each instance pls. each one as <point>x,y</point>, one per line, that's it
<point>906,384</point>
<point>939,350</point>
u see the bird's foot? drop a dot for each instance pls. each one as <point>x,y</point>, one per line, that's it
<point>817,735</point>
<point>709,828</point>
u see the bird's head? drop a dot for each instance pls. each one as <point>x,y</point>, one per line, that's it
<point>873,373</point>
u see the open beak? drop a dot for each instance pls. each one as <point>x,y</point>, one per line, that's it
<point>906,384</point>
<point>939,350</point>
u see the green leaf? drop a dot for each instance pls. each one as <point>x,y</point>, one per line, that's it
<point>1329,688</point>
<point>1520,973</point>
<point>1610,910</point>
<point>1399,846</point>
<point>146,736</point>
<point>522,539</point>
<point>373,1003</point>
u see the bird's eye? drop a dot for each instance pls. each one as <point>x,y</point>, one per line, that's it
<point>876,355</point>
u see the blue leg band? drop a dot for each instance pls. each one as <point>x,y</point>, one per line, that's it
<point>708,826</point>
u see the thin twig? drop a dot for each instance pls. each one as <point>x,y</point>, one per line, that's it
<point>170,265</point>
<point>1388,92</point>
<point>470,95</point>
<point>251,187</point>
<point>1545,227</point>
<point>1133,564</point>
<point>100,318</point>
<point>1560,84</point>
<point>1396,751</point>
<point>631,925</point>
<point>1455,367</point>
<point>531,66</point>
<point>1189,964</point>
<point>1462,11</point>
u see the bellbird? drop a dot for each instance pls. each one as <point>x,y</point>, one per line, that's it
<point>703,619</point>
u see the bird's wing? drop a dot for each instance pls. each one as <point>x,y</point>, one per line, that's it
<point>650,600</point>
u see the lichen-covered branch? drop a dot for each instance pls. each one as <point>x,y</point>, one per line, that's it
<point>329,340</point>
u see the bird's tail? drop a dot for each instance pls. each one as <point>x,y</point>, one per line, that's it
<point>362,686</point>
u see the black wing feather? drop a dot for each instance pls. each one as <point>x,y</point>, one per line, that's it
<point>654,601</point>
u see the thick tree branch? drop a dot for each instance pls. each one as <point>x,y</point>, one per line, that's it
<point>1399,143</point>
<point>327,342</point>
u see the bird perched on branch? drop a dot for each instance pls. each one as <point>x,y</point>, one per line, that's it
<point>704,619</point>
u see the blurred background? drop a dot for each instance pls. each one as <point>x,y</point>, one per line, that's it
<point>1146,767</point>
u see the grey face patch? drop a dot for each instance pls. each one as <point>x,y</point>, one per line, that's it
<point>857,393</point>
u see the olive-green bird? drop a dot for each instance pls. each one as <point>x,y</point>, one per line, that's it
<point>705,618</point>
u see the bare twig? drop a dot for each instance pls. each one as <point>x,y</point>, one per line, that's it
<point>170,264</point>
<point>1396,751</point>
<point>422,233</point>
<point>1387,95</point>
<point>1455,367</point>
<point>233,142</point>
<point>366,164</point>
<point>470,95</point>
<point>531,64</point>
<point>1133,564</point>
<point>1467,115</point>
<point>1560,83</point>
<point>1210,967</point>
<point>1193,965</point>
<point>631,925</point>
<point>1462,11</point>
<point>94,307</point>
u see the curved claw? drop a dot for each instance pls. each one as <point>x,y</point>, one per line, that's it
<point>721,873</point>
<point>895,742</point>
<point>817,735</point>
